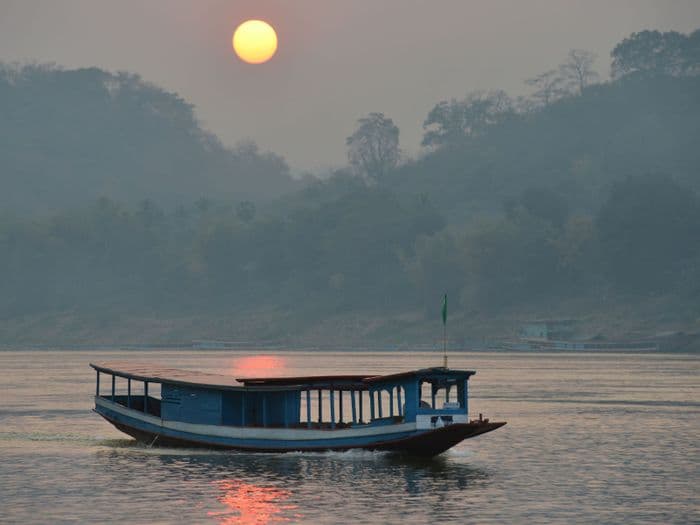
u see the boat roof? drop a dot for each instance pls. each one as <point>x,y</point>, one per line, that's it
<point>437,372</point>
<point>159,374</point>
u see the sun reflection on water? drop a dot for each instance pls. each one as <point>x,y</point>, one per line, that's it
<point>250,504</point>
<point>259,366</point>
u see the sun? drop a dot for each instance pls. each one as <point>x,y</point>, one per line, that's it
<point>255,41</point>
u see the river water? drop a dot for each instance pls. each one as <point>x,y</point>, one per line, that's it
<point>591,438</point>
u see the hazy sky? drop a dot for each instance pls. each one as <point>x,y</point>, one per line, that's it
<point>337,60</point>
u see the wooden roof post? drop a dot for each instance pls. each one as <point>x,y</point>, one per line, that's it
<point>398,400</point>
<point>308,408</point>
<point>332,408</point>
<point>352,402</point>
<point>340,405</point>
<point>360,394</point>
<point>466,396</point>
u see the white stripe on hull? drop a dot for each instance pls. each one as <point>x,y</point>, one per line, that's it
<point>290,434</point>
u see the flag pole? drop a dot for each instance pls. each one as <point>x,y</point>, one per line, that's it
<point>444,331</point>
<point>444,345</point>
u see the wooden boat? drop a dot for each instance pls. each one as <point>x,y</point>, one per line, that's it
<point>420,412</point>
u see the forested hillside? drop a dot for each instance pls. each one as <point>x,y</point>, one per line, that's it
<point>68,137</point>
<point>576,147</point>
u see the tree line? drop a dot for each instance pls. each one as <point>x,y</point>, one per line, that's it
<point>365,249</point>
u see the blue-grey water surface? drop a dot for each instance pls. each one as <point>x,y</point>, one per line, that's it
<point>591,438</point>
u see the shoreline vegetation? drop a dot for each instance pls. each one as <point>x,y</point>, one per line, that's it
<point>123,220</point>
<point>407,332</point>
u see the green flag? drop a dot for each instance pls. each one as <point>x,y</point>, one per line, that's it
<point>444,310</point>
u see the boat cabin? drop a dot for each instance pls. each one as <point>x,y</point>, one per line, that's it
<point>430,397</point>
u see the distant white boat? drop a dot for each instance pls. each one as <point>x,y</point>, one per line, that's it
<point>590,346</point>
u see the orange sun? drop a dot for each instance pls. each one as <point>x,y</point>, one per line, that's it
<point>255,41</point>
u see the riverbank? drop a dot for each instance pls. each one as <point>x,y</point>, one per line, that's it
<point>301,328</point>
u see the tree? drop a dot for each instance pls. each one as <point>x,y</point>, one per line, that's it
<point>578,71</point>
<point>437,265</point>
<point>571,76</point>
<point>373,149</point>
<point>577,248</point>
<point>245,211</point>
<point>512,261</point>
<point>648,228</point>
<point>449,123</point>
<point>652,53</point>
<point>691,54</point>
<point>542,203</point>
<point>549,87</point>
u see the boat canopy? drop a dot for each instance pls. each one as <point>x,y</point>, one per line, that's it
<point>157,374</point>
<point>437,376</point>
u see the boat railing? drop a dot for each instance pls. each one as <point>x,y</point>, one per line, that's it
<point>478,418</point>
<point>137,402</point>
<point>122,392</point>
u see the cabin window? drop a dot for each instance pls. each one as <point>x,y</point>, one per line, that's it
<point>333,408</point>
<point>388,403</point>
<point>443,395</point>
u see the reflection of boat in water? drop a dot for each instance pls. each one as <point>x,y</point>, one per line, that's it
<point>421,412</point>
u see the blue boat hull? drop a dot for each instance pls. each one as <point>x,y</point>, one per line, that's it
<point>424,443</point>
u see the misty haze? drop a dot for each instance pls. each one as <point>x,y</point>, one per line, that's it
<point>318,202</point>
